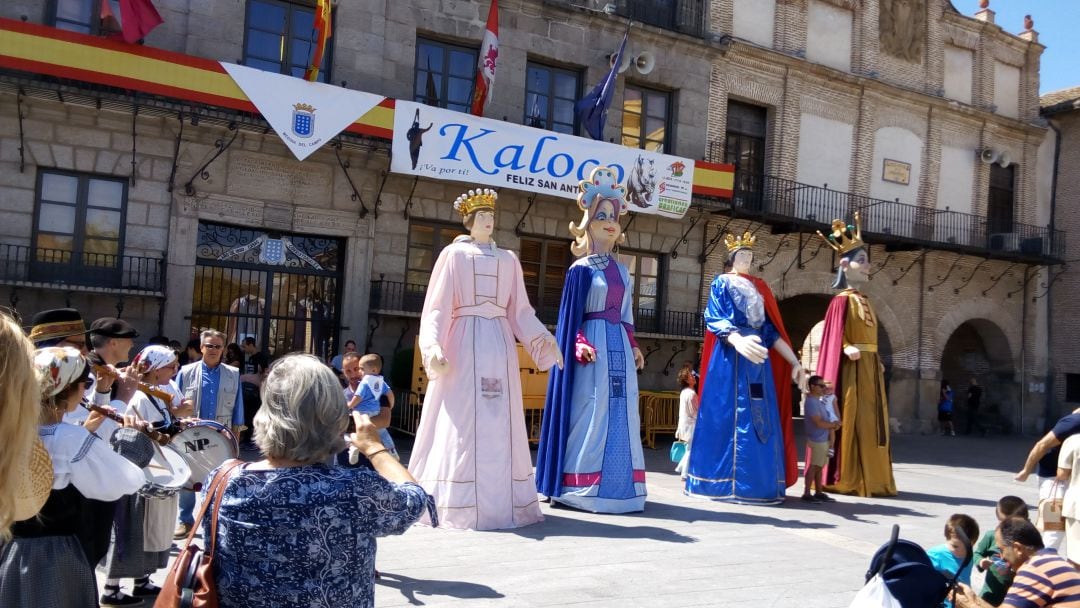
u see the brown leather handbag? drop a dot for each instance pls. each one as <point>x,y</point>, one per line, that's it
<point>190,583</point>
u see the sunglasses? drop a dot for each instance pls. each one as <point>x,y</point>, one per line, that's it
<point>213,346</point>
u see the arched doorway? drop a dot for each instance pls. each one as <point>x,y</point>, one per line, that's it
<point>979,349</point>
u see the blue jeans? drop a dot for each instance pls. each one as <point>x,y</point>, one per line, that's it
<point>187,507</point>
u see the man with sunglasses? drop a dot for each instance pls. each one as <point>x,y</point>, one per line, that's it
<point>215,389</point>
<point>820,420</point>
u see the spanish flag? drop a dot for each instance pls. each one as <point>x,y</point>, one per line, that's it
<point>321,35</point>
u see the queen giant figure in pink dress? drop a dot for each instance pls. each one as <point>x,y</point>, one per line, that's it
<point>471,450</point>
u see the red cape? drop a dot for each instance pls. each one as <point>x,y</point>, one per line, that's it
<point>828,367</point>
<point>781,377</point>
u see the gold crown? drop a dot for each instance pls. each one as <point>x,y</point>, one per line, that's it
<point>476,199</point>
<point>732,242</point>
<point>304,107</point>
<point>844,238</point>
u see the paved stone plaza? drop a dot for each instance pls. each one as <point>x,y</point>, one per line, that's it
<point>690,552</point>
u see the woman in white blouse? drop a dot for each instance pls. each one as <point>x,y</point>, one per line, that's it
<point>45,562</point>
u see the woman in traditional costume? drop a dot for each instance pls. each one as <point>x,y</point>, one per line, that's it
<point>143,525</point>
<point>590,454</point>
<point>471,450</point>
<point>849,359</point>
<point>45,563</point>
<point>743,446</point>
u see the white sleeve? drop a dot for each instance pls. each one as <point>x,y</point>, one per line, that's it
<point>102,474</point>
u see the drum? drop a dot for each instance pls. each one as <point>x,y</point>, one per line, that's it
<point>205,445</point>
<point>166,474</point>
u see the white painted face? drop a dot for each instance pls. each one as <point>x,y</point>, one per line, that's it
<point>858,268</point>
<point>604,227</point>
<point>483,225</point>
<point>742,260</point>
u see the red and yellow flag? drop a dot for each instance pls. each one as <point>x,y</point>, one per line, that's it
<point>322,34</point>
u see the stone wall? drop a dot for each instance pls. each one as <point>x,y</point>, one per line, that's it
<point>1065,313</point>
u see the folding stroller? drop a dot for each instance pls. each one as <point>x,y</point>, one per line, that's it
<point>910,580</point>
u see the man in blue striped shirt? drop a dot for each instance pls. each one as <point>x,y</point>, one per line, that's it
<point>1043,578</point>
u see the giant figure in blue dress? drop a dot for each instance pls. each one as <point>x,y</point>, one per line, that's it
<point>590,454</point>
<point>739,438</point>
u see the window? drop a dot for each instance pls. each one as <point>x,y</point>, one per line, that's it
<point>426,241</point>
<point>999,208</point>
<point>444,74</point>
<point>644,279</point>
<point>646,117</point>
<point>280,37</point>
<point>744,147</point>
<point>79,223</point>
<point>83,16</point>
<point>1072,388</point>
<point>550,95</point>
<point>544,264</point>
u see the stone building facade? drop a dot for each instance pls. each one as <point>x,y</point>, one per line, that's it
<point>1062,111</point>
<point>810,99</point>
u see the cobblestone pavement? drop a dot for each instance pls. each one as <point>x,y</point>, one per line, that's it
<point>685,551</point>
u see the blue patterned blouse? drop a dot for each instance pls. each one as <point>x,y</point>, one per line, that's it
<point>305,536</point>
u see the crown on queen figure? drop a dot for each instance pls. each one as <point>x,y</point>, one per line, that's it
<point>472,200</point>
<point>733,243</point>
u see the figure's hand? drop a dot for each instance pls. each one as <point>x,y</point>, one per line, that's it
<point>984,563</point>
<point>586,353</point>
<point>852,353</point>
<point>1022,476</point>
<point>749,347</point>
<point>187,408</point>
<point>133,422</point>
<point>553,344</point>
<point>639,359</point>
<point>103,381</point>
<point>799,376</point>
<point>438,361</point>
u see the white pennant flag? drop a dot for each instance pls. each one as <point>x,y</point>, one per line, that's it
<point>304,114</point>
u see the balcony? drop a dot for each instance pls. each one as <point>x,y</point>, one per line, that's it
<point>790,205</point>
<point>394,298</point>
<point>23,266</point>
<point>683,16</point>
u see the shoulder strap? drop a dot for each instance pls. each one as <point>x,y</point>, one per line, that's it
<point>217,486</point>
<point>219,492</point>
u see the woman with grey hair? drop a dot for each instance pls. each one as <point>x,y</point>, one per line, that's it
<point>294,530</point>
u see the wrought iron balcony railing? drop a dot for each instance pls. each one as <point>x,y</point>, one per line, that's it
<point>684,16</point>
<point>398,297</point>
<point>778,200</point>
<point>20,264</point>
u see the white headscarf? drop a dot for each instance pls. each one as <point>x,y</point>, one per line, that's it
<point>58,366</point>
<point>152,358</point>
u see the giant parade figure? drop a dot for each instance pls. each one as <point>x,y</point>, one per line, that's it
<point>849,359</point>
<point>590,455</point>
<point>471,450</point>
<point>743,447</point>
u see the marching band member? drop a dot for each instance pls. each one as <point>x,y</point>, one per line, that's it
<point>142,532</point>
<point>46,563</point>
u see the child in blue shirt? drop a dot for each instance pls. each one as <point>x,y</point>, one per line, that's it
<point>364,393</point>
<point>947,557</point>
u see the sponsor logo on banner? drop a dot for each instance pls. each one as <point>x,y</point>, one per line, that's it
<point>443,144</point>
<point>304,114</point>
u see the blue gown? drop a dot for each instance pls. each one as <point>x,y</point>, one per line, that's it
<point>590,453</point>
<point>738,453</point>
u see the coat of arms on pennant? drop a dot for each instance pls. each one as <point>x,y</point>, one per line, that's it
<point>303,120</point>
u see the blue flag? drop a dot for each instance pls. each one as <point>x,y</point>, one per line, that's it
<point>592,109</point>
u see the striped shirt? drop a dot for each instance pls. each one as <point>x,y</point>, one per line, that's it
<point>1046,579</point>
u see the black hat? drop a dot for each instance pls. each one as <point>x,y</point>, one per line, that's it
<point>113,328</point>
<point>56,323</point>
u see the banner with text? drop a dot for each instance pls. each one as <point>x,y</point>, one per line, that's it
<point>443,144</point>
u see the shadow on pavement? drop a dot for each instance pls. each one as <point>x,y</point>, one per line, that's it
<point>691,515</point>
<point>948,500</point>
<point>554,525</point>
<point>410,588</point>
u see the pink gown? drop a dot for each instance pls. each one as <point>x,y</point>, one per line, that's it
<point>471,450</point>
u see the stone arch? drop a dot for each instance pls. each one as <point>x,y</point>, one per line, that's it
<point>994,324</point>
<point>979,348</point>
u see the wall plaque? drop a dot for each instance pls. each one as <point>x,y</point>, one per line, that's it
<point>896,172</point>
